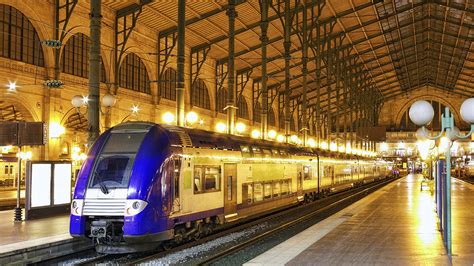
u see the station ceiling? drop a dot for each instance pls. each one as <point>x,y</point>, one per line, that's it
<point>400,45</point>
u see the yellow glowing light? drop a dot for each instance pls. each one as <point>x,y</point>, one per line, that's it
<point>272,134</point>
<point>192,118</point>
<point>444,144</point>
<point>25,155</point>
<point>383,147</point>
<point>311,143</point>
<point>280,138</point>
<point>424,148</point>
<point>401,145</point>
<point>294,138</point>
<point>168,118</point>
<point>333,146</point>
<point>135,109</point>
<point>324,145</point>
<point>7,149</point>
<point>85,100</point>
<point>11,86</point>
<point>76,149</point>
<point>240,127</point>
<point>82,156</point>
<point>255,134</point>
<point>221,127</point>
<point>56,130</point>
<point>341,148</point>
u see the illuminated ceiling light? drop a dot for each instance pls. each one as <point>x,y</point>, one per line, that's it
<point>280,138</point>
<point>255,133</point>
<point>191,118</point>
<point>342,148</point>
<point>240,127</point>
<point>76,149</point>
<point>383,147</point>
<point>294,138</point>
<point>401,145</point>
<point>333,146</point>
<point>324,145</point>
<point>221,127</point>
<point>11,86</point>
<point>201,122</point>
<point>272,134</point>
<point>56,130</point>
<point>311,143</point>
<point>85,100</point>
<point>135,109</point>
<point>168,118</point>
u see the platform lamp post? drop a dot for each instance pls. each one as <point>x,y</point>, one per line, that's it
<point>421,113</point>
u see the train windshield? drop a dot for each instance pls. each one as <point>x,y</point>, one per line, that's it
<point>112,171</point>
<point>113,167</point>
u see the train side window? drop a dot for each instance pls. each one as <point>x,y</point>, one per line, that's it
<point>276,189</point>
<point>176,171</point>
<point>258,192</point>
<point>245,151</point>
<point>267,191</point>
<point>307,172</point>
<point>267,153</point>
<point>247,193</point>
<point>256,152</point>
<point>206,179</point>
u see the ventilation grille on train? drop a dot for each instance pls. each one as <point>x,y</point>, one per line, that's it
<point>178,136</point>
<point>104,207</point>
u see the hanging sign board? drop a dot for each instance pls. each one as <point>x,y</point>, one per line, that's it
<point>16,133</point>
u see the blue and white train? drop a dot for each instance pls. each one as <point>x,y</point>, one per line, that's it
<point>145,184</point>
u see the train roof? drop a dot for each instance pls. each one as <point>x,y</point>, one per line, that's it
<point>198,138</point>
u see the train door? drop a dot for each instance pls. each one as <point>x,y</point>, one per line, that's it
<point>230,188</point>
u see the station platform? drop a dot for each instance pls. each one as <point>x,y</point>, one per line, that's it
<point>8,198</point>
<point>16,236</point>
<point>396,225</point>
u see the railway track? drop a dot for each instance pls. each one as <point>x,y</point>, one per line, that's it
<point>314,212</point>
<point>276,221</point>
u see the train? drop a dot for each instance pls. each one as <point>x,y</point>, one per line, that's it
<point>144,184</point>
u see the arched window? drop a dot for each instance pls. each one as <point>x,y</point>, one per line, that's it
<point>221,100</point>
<point>271,117</point>
<point>75,57</point>
<point>200,95</point>
<point>18,39</point>
<point>257,113</point>
<point>242,108</point>
<point>168,84</point>
<point>133,74</point>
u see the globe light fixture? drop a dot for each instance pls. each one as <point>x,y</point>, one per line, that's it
<point>280,138</point>
<point>168,118</point>
<point>221,127</point>
<point>109,100</point>
<point>311,143</point>
<point>56,130</point>
<point>333,146</point>
<point>240,127</point>
<point>467,111</point>
<point>77,101</point>
<point>191,118</point>
<point>272,134</point>
<point>324,145</point>
<point>294,138</point>
<point>383,147</point>
<point>421,113</point>
<point>255,134</point>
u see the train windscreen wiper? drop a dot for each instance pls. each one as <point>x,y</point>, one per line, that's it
<point>102,185</point>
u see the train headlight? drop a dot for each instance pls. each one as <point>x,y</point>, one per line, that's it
<point>76,207</point>
<point>134,207</point>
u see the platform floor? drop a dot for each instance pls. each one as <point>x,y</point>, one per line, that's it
<point>396,225</point>
<point>20,235</point>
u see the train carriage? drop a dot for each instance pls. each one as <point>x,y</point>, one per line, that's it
<point>143,184</point>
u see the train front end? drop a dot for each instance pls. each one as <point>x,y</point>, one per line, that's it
<point>119,193</point>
